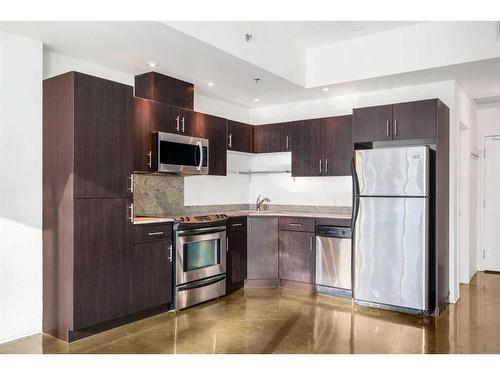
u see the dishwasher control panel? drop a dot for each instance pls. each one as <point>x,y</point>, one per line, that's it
<point>337,232</point>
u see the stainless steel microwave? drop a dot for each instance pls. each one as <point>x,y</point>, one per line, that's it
<point>174,153</point>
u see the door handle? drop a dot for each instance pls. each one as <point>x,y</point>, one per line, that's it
<point>387,128</point>
<point>170,253</point>
<point>326,165</point>
<point>183,123</point>
<point>177,124</point>
<point>201,156</point>
<point>230,140</point>
<point>131,217</point>
<point>287,142</point>
<point>237,225</point>
<point>155,233</point>
<point>295,225</point>
<point>131,178</point>
<point>320,167</point>
<point>311,243</point>
<point>149,157</point>
<point>395,127</point>
<point>227,244</point>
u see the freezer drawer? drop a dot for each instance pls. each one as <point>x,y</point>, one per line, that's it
<point>393,171</point>
<point>391,252</point>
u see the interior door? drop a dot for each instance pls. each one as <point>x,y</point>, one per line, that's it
<point>391,252</point>
<point>492,204</point>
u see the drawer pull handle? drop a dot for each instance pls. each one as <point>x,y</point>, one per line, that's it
<point>237,225</point>
<point>170,253</point>
<point>155,233</point>
<point>298,225</point>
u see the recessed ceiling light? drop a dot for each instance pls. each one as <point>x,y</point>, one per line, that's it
<point>256,100</point>
<point>325,89</point>
<point>153,65</point>
<point>211,84</point>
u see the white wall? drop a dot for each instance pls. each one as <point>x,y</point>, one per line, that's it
<point>488,124</point>
<point>412,48</point>
<point>20,187</point>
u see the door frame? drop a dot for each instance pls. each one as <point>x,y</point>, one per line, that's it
<point>464,207</point>
<point>482,197</point>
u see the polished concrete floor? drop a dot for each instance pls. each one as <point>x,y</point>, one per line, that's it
<point>288,321</point>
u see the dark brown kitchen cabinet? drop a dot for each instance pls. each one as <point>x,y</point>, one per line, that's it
<point>214,129</point>
<point>102,242</point>
<point>87,162</point>
<point>169,119</point>
<point>322,147</point>
<point>152,274</point>
<point>414,120</point>
<point>102,137</point>
<point>267,138</point>
<point>262,263</point>
<point>411,120</point>
<point>142,128</point>
<point>239,136</point>
<point>236,253</point>
<point>296,256</point>
<point>372,124</point>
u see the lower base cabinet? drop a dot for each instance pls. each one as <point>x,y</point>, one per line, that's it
<point>263,250</point>
<point>236,253</point>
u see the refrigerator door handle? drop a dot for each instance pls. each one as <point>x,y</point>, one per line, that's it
<point>355,192</point>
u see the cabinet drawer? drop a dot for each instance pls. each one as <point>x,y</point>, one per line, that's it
<point>237,223</point>
<point>298,224</point>
<point>152,232</point>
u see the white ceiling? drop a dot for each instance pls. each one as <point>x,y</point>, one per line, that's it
<point>128,47</point>
<point>315,33</point>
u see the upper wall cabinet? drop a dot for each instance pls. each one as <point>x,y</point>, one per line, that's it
<point>412,120</point>
<point>322,147</point>
<point>164,89</point>
<point>273,137</point>
<point>214,129</point>
<point>239,136</point>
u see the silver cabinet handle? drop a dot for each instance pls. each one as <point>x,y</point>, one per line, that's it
<point>287,142</point>
<point>177,124</point>
<point>227,244</point>
<point>131,217</point>
<point>170,253</point>
<point>149,157</point>
<point>320,167</point>
<point>131,178</point>
<point>395,127</point>
<point>230,140</point>
<point>249,226</point>
<point>237,225</point>
<point>183,123</point>
<point>310,243</point>
<point>155,233</point>
<point>326,165</point>
<point>296,225</point>
<point>387,128</point>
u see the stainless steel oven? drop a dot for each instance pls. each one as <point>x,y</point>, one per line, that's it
<point>174,153</point>
<point>200,267</point>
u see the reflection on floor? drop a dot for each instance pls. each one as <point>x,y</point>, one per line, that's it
<point>287,321</point>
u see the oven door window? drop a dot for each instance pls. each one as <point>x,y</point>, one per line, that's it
<point>201,254</point>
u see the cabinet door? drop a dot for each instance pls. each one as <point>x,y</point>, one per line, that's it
<point>338,146</point>
<point>152,275</point>
<point>142,129</point>
<point>267,138</point>
<point>296,256</point>
<point>262,262</point>
<point>286,130</point>
<point>103,149</point>
<point>236,256</point>
<point>307,145</point>
<point>213,128</point>
<point>101,260</point>
<point>166,118</point>
<point>414,120</point>
<point>187,123</point>
<point>372,124</point>
<point>240,136</point>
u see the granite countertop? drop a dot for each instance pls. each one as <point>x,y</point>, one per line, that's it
<point>252,213</point>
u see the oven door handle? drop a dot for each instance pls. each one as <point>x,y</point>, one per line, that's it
<point>191,232</point>
<point>201,283</point>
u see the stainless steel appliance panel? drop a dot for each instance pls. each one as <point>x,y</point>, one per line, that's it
<point>200,253</point>
<point>200,291</point>
<point>391,252</point>
<point>333,262</point>
<point>393,171</point>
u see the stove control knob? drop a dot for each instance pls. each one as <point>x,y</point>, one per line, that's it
<point>188,219</point>
<point>182,219</point>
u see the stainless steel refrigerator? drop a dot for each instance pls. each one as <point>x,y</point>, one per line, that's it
<point>391,228</point>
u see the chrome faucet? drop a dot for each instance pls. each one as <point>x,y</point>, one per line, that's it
<point>260,202</point>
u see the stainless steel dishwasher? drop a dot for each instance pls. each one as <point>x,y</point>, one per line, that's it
<point>333,260</point>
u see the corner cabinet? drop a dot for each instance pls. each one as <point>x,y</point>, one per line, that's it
<point>87,205</point>
<point>214,129</point>
<point>239,136</point>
